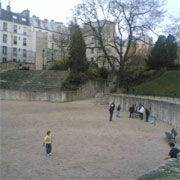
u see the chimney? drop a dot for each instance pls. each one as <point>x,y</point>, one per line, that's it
<point>8,8</point>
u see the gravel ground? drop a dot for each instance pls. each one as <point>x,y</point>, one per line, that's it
<point>85,144</point>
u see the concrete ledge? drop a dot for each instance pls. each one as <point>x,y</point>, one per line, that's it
<point>168,171</point>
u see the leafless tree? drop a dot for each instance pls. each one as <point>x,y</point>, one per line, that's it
<point>132,20</point>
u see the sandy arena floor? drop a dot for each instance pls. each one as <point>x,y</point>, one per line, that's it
<point>85,144</point>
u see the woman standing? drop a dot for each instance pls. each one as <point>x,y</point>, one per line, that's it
<point>118,111</point>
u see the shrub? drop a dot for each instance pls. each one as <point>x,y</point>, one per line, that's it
<point>103,73</point>
<point>74,81</point>
<point>62,64</point>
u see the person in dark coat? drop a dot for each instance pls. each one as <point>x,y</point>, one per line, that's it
<point>111,110</point>
<point>131,111</point>
<point>147,112</point>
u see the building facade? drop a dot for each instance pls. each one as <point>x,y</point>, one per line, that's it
<point>29,40</point>
<point>15,37</point>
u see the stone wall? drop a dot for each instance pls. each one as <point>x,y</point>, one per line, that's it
<point>86,91</point>
<point>14,65</point>
<point>166,111</point>
<point>168,171</point>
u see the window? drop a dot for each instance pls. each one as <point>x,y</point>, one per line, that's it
<point>24,41</point>
<point>5,26</point>
<point>4,49</point>
<point>14,60</point>
<point>23,19</point>
<point>24,53</point>
<point>52,46</point>
<point>14,17</point>
<point>24,30</point>
<point>14,51</point>
<point>4,38</point>
<point>92,50</point>
<point>15,39</point>
<point>4,59</point>
<point>15,28</point>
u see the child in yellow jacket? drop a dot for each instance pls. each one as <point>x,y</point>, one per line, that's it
<point>48,143</point>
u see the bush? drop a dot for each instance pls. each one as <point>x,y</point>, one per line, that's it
<point>103,73</point>
<point>74,81</point>
<point>93,72</point>
<point>62,64</point>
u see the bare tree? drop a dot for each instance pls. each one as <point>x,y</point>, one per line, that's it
<point>174,27</point>
<point>61,40</point>
<point>132,19</point>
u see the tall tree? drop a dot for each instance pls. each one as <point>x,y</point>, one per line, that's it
<point>171,47</point>
<point>163,53</point>
<point>131,19</point>
<point>158,55</point>
<point>77,49</point>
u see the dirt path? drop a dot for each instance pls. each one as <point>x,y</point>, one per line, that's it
<point>85,144</point>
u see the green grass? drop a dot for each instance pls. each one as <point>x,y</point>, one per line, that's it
<point>168,84</point>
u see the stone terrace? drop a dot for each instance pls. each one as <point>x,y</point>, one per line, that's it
<point>32,80</point>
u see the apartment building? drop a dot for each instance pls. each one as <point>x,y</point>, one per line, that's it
<point>15,37</point>
<point>47,35</point>
<point>29,40</point>
<point>94,53</point>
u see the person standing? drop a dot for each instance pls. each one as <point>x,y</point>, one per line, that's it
<point>48,143</point>
<point>111,110</point>
<point>118,111</point>
<point>141,112</point>
<point>173,152</point>
<point>131,111</point>
<point>147,112</point>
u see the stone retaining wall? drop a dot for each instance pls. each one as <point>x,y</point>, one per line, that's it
<point>86,91</point>
<point>168,112</point>
<point>168,171</point>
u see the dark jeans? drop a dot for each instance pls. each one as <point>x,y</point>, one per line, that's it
<point>141,116</point>
<point>48,148</point>
<point>147,117</point>
<point>111,115</point>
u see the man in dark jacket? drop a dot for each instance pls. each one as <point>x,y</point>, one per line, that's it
<point>147,112</point>
<point>111,110</point>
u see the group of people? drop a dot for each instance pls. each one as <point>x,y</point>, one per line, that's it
<point>133,110</point>
<point>140,110</point>
<point>21,67</point>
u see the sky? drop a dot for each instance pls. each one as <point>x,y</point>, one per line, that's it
<point>60,10</point>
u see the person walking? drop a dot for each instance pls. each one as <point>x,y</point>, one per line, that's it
<point>118,111</point>
<point>173,152</point>
<point>111,110</point>
<point>48,143</point>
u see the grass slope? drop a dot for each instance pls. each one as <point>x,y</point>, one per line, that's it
<point>167,84</point>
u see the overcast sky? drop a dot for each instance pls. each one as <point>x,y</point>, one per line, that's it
<point>60,10</point>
